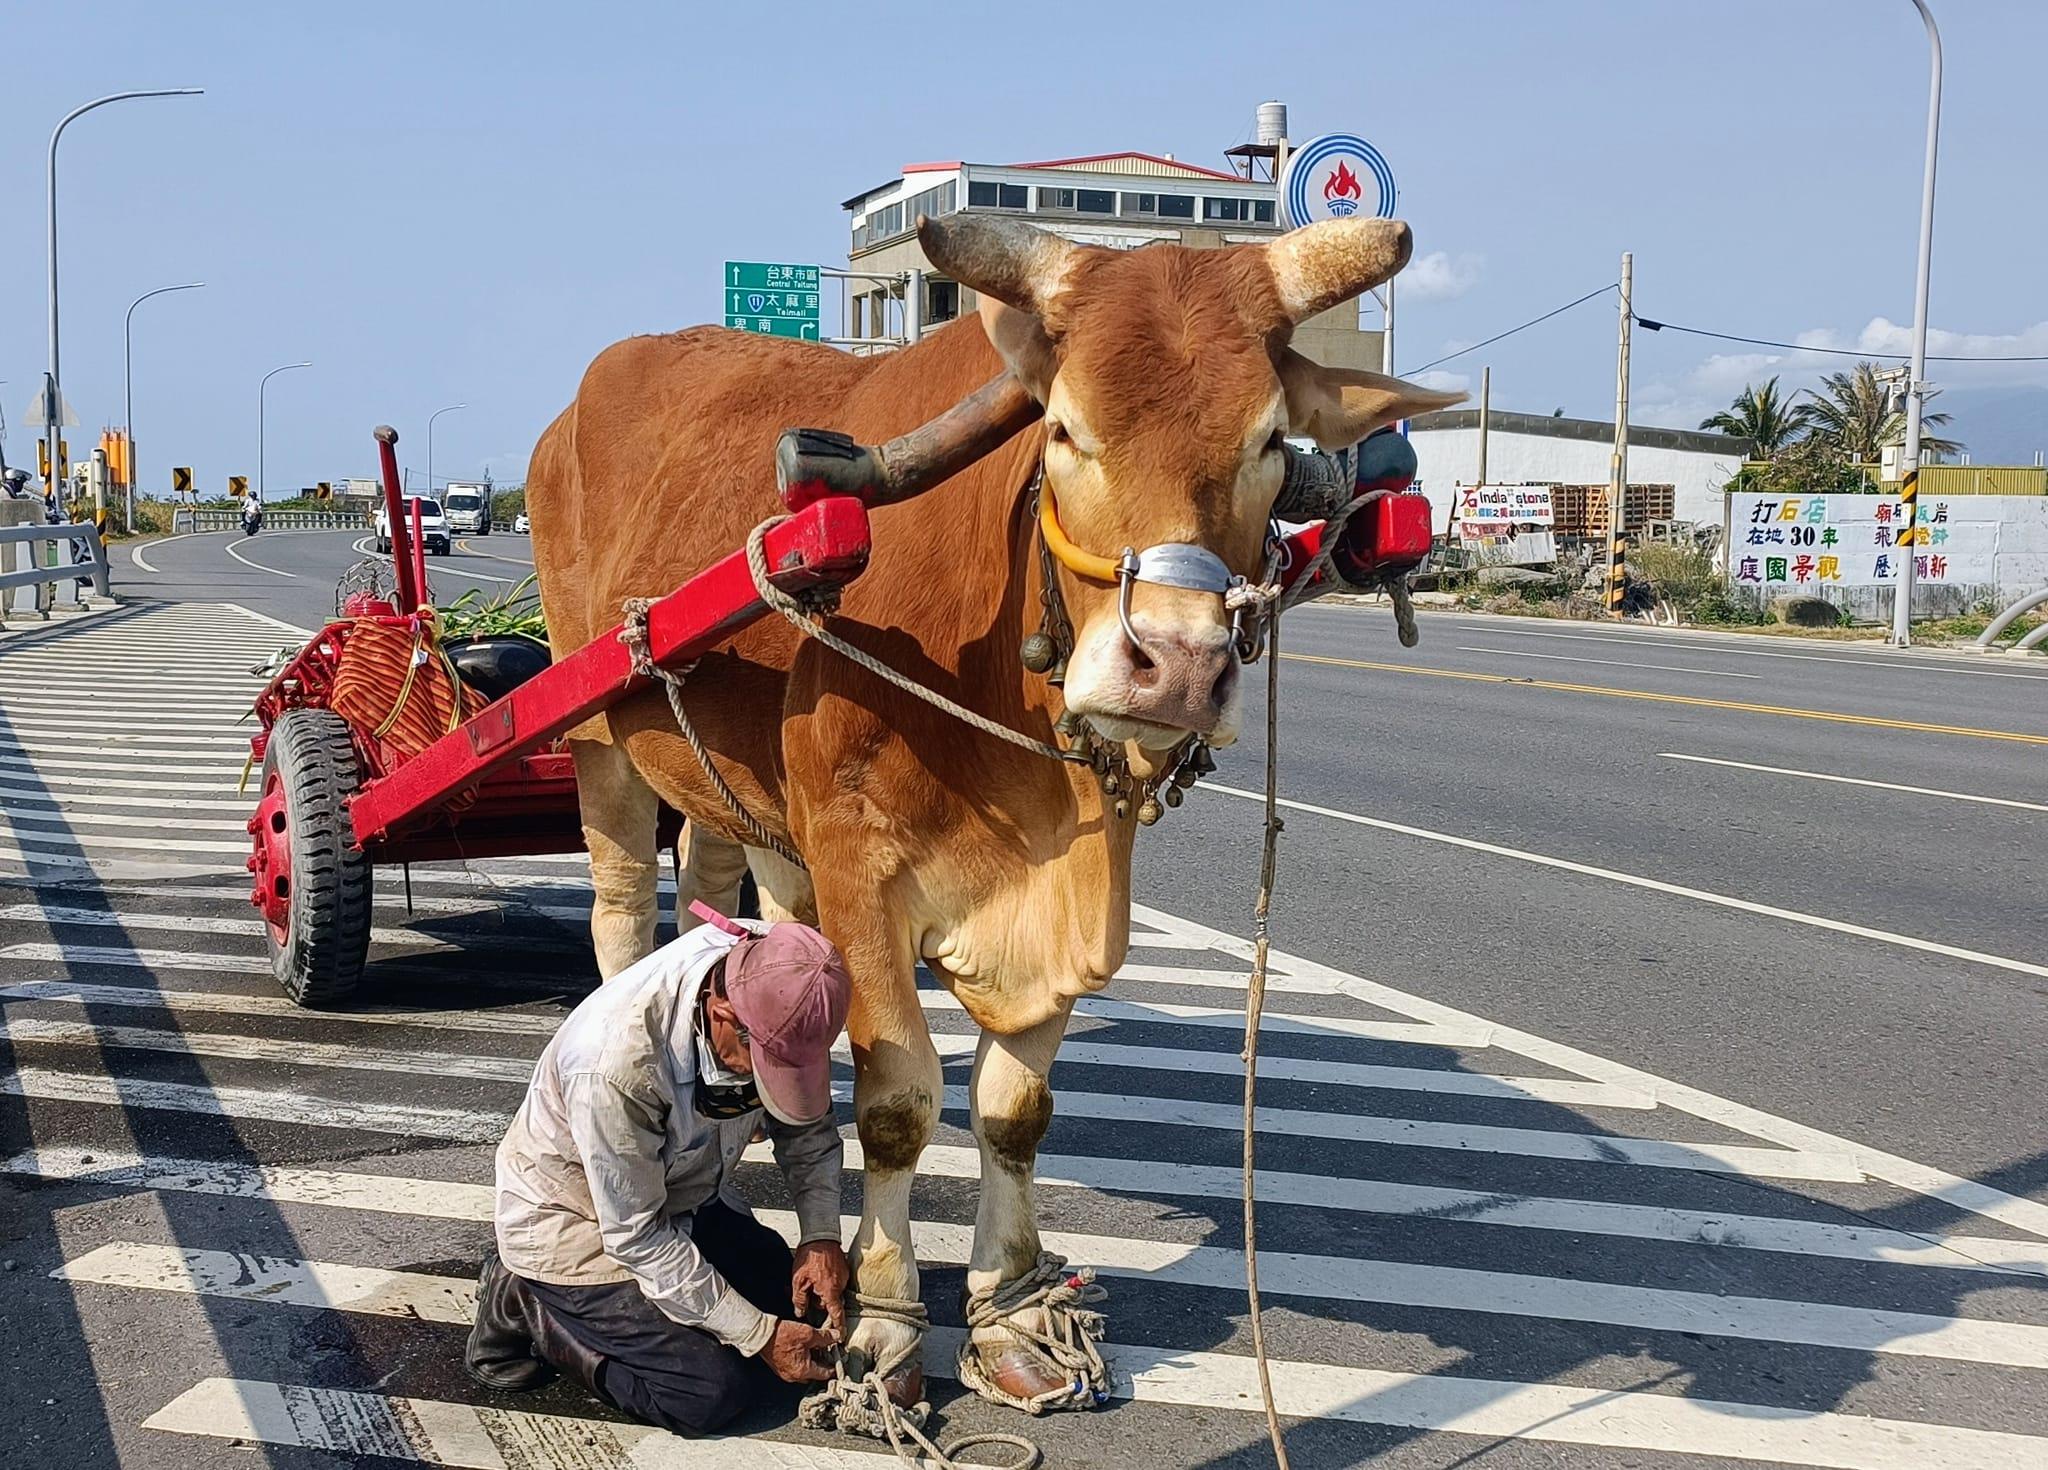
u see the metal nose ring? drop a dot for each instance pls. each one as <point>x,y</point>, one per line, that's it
<point>1169,564</point>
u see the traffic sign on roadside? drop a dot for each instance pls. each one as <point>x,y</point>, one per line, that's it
<point>773,299</point>
<point>181,480</point>
<point>323,491</point>
<point>238,485</point>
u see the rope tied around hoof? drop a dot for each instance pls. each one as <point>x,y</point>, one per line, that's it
<point>1069,1342</point>
<point>862,1405</point>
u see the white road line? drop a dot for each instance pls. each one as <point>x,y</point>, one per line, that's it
<point>22,769</point>
<point>516,561</point>
<point>1708,760</point>
<point>145,959</point>
<point>338,1287</point>
<point>1121,1108</point>
<point>352,1056</point>
<point>441,1433</point>
<point>31,837</point>
<point>10,792</point>
<point>236,552</point>
<point>1471,1035</point>
<point>45,731</point>
<point>1734,645</point>
<point>1950,1189</point>
<point>1619,663</point>
<point>1654,885</point>
<point>20,810</point>
<point>254,928</point>
<point>265,618</point>
<point>1078,1050</point>
<point>462,1125</point>
<point>143,561</point>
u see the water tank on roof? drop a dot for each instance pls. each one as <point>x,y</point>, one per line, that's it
<point>1272,123</point>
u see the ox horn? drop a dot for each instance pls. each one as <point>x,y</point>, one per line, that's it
<point>1018,264</point>
<point>1320,265</point>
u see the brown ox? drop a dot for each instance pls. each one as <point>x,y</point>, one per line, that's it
<point>1167,382</point>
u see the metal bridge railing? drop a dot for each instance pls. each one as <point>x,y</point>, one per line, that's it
<point>56,557</point>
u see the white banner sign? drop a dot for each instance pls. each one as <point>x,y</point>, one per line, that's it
<point>1488,510</point>
<point>1855,541</point>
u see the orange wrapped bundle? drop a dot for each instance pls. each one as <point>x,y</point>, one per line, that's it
<point>395,681</point>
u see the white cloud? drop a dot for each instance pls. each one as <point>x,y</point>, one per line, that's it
<point>1439,275</point>
<point>1442,381</point>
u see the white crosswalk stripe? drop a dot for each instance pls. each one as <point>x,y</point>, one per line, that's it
<point>1421,1164</point>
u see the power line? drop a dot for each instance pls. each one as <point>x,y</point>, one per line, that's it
<point>1533,321</point>
<point>1649,326</point>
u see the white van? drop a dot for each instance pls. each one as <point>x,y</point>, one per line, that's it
<point>433,524</point>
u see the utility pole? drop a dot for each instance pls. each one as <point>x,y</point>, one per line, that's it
<point>1617,474</point>
<point>1916,388</point>
<point>1485,409</point>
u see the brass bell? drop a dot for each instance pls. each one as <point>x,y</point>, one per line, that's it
<point>1172,796</point>
<point>1123,808</point>
<point>1148,811</point>
<point>1038,652</point>
<point>1185,777</point>
<point>1200,758</point>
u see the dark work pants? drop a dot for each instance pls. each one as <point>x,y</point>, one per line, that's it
<point>621,1346</point>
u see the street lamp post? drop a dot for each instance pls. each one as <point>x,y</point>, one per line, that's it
<point>1916,390</point>
<point>128,384</point>
<point>260,497</point>
<point>52,392</point>
<point>430,442</point>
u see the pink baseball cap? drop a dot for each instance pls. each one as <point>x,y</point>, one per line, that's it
<point>790,989</point>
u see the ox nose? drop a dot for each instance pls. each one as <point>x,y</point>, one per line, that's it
<point>1180,678</point>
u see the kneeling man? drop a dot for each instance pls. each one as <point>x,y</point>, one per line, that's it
<point>626,1257</point>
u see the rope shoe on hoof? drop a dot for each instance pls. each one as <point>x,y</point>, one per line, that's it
<point>1034,1340</point>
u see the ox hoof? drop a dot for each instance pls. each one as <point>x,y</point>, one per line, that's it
<point>874,1341</point>
<point>1019,1375</point>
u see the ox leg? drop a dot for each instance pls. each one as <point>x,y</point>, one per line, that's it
<point>1012,1108</point>
<point>896,1094</point>
<point>620,812</point>
<point>711,868</point>
<point>786,892</point>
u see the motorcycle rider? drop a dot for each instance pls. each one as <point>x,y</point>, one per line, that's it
<point>252,516</point>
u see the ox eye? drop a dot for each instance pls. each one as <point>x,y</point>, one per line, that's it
<point>1057,433</point>
<point>1277,443</point>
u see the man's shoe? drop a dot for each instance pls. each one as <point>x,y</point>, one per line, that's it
<point>500,1352</point>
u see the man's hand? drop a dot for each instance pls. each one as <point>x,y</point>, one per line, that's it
<point>820,1279</point>
<point>797,1353</point>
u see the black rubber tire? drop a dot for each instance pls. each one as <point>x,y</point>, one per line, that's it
<point>327,940</point>
<point>383,547</point>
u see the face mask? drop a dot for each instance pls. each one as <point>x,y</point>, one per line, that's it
<point>722,1093</point>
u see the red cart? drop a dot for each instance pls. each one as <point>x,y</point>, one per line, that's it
<point>336,797</point>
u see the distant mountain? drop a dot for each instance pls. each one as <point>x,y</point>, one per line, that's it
<point>1998,425</point>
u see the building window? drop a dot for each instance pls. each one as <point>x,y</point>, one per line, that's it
<point>934,201</point>
<point>1062,199</point>
<point>1094,201</point>
<point>997,196</point>
<point>885,222</point>
<point>1262,211</point>
<point>941,301</point>
<point>1223,209</point>
<point>1176,206</point>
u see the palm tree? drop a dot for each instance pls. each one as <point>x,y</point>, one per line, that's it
<point>1759,415</point>
<point>1853,411</point>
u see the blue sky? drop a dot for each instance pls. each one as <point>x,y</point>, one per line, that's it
<point>442,202</point>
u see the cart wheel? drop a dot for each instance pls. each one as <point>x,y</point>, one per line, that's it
<point>312,884</point>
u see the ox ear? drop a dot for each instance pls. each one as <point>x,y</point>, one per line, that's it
<point>1016,263</point>
<point>1319,265</point>
<point>1337,407</point>
<point>1020,339</point>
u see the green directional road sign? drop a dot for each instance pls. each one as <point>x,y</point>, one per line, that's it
<point>777,300</point>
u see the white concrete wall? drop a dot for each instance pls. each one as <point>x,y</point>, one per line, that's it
<point>1450,457</point>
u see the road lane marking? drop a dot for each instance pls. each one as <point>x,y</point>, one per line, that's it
<point>236,552</point>
<point>516,561</point>
<point>1079,1049</point>
<point>34,837</point>
<point>279,623</point>
<point>1376,1128</point>
<point>47,811</point>
<point>153,801</point>
<point>1734,644</point>
<point>1620,663</point>
<point>1708,760</point>
<point>440,1433</point>
<point>448,1200</point>
<point>1654,885</point>
<point>460,1125</point>
<point>1695,700</point>
<point>255,928</point>
<point>377,1291</point>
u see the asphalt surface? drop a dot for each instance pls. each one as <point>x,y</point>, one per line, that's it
<point>1626,1110</point>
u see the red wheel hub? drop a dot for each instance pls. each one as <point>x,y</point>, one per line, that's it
<point>270,861</point>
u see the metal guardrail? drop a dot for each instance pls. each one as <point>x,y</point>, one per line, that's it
<point>2012,615</point>
<point>273,520</point>
<point>57,557</point>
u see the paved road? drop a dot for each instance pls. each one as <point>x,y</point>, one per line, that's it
<point>1563,1170</point>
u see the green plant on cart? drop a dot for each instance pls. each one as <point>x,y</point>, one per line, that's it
<point>514,611</point>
